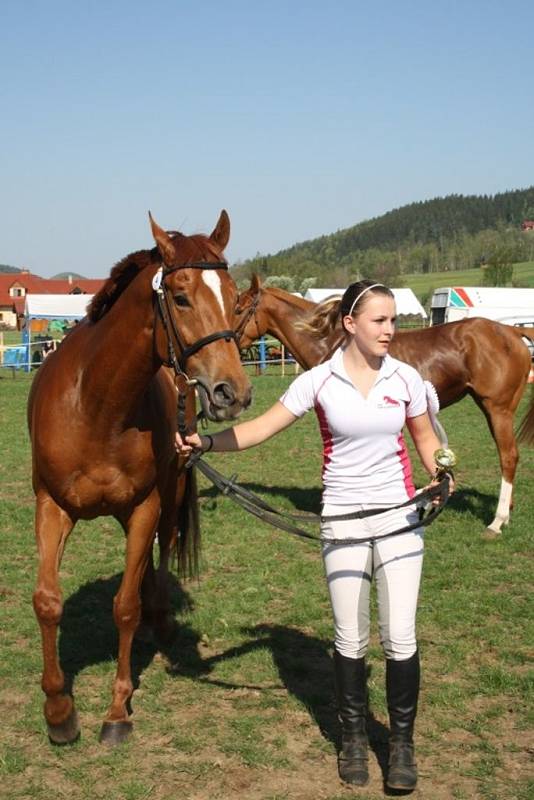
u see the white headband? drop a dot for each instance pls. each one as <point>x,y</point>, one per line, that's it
<point>367,288</point>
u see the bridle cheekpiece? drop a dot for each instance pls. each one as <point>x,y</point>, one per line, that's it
<point>162,293</point>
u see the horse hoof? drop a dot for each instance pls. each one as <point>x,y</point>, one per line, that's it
<point>490,535</point>
<point>66,732</point>
<point>113,733</point>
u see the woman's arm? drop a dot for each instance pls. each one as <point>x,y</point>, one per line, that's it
<point>242,436</point>
<point>425,440</point>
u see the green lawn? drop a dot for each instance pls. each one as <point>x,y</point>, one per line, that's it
<point>241,703</point>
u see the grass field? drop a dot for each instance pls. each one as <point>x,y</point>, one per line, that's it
<point>422,285</point>
<point>241,704</point>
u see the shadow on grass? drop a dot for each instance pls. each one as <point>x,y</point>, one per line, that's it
<point>305,668</point>
<point>479,504</point>
<point>88,634</point>
<point>301,498</point>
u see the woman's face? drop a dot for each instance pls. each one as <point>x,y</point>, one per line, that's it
<point>373,328</point>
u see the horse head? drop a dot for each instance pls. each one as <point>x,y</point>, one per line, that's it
<point>249,323</point>
<point>200,300</point>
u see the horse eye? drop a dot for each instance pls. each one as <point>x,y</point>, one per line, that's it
<point>181,300</point>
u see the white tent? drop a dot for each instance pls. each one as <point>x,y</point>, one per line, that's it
<point>407,302</point>
<point>56,306</point>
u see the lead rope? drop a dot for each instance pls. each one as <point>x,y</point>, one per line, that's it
<point>285,520</point>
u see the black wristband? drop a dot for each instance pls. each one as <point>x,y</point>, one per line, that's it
<point>208,448</point>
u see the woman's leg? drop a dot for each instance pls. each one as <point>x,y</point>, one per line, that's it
<point>348,573</point>
<point>398,563</point>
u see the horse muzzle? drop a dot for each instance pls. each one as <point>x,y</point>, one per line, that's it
<point>220,401</point>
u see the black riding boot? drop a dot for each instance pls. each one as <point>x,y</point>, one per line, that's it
<point>402,689</point>
<point>352,708</point>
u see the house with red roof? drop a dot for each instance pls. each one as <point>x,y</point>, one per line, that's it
<point>14,286</point>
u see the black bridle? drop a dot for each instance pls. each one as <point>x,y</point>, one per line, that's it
<point>248,313</point>
<point>162,292</point>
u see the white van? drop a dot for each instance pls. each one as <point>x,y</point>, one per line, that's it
<point>451,303</point>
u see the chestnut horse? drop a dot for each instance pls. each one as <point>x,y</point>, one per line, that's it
<point>102,417</point>
<point>476,356</point>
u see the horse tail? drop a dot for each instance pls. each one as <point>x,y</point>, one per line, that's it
<point>188,544</point>
<point>527,333</point>
<point>525,433</point>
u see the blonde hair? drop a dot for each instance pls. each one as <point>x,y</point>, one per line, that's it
<point>323,319</point>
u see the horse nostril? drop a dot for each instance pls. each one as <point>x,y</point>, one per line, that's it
<point>223,394</point>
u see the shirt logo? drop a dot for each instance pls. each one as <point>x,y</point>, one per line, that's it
<point>388,402</point>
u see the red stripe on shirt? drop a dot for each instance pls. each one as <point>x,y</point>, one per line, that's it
<point>402,453</point>
<point>326,435</point>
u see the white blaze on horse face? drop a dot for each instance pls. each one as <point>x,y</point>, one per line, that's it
<point>211,279</point>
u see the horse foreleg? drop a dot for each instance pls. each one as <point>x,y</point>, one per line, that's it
<point>52,527</point>
<point>502,428</point>
<point>141,526</point>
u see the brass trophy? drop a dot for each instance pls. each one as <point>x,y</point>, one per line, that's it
<point>445,459</point>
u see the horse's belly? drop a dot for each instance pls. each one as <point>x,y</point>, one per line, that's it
<point>101,491</point>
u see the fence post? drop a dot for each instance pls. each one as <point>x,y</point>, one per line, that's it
<point>26,340</point>
<point>263,354</point>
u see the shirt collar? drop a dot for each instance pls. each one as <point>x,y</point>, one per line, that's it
<point>387,368</point>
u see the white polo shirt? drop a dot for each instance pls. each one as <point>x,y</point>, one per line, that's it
<point>365,459</point>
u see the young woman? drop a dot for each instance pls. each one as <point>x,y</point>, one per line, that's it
<point>363,398</point>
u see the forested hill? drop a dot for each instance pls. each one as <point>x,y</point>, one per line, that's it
<point>7,268</point>
<point>420,234</point>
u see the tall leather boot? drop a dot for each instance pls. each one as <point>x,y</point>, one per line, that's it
<point>402,690</point>
<point>352,709</point>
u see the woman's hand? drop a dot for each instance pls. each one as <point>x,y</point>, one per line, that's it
<point>452,482</point>
<point>185,446</point>
<point>435,481</point>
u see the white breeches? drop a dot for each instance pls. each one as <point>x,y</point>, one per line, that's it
<point>395,562</point>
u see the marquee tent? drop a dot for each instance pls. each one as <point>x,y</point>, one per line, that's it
<point>56,306</point>
<point>407,302</point>
<point>44,307</point>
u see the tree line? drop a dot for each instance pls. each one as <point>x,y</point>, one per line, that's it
<point>446,233</point>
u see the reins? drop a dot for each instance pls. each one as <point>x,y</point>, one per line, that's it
<point>286,521</point>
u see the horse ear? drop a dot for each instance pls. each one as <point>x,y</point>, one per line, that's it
<point>221,234</point>
<point>255,283</point>
<point>163,241</point>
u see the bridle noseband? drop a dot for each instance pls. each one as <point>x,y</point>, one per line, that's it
<point>162,293</point>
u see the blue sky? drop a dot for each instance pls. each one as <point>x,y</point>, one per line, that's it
<point>299,118</point>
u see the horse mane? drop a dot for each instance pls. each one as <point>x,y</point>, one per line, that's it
<point>293,299</point>
<point>119,279</point>
<point>130,266</point>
